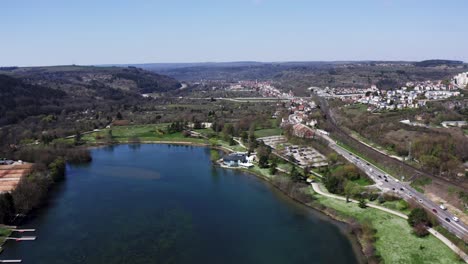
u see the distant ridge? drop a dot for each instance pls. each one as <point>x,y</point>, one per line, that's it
<point>438,62</point>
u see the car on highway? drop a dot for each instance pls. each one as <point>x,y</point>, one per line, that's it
<point>455,219</point>
<point>447,219</point>
<point>434,210</point>
<point>401,189</point>
<point>443,207</point>
<point>420,200</point>
<point>386,180</point>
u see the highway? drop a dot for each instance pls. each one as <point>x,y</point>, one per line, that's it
<point>386,182</point>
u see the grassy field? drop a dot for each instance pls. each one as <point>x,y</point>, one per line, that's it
<point>268,132</point>
<point>457,241</point>
<point>395,242</point>
<point>121,134</point>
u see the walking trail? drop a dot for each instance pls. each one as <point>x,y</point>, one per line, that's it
<point>447,242</point>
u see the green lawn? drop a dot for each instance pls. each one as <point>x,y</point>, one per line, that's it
<point>123,134</point>
<point>363,181</point>
<point>395,242</point>
<point>4,232</point>
<point>285,166</point>
<point>457,241</point>
<point>268,132</point>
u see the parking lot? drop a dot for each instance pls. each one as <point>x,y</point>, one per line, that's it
<point>305,156</point>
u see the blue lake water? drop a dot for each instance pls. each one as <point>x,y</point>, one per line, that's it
<point>169,204</point>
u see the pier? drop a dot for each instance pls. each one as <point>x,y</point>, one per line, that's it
<point>23,230</point>
<point>26,238</point>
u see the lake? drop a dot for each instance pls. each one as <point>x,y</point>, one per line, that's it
<point>155,203</point>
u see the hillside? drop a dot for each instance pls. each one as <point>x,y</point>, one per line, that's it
<point>298,76</point>
<point>35,91</point>
<point>94,81</point>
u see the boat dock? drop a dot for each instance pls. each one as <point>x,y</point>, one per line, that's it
<point>23,230</point>
<point>21,238</point>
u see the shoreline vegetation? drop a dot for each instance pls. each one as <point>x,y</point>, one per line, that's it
<point>367,231</point>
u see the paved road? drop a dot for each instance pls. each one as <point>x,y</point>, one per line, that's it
<point>386,182</point>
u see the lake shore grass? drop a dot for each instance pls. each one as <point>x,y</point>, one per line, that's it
<point>4,233</point>
<point>395,241</point>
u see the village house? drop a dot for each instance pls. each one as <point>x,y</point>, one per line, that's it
<point>303,131</point>
<point>238,160</point>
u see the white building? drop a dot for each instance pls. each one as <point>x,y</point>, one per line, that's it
<point>461,80</point>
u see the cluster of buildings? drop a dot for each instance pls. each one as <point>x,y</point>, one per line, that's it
<point>412,95</point>
<point>302,124</point>
<point>265,88</point>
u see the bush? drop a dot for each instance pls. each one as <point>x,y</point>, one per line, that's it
<point>7,208</point>
<point>381,199</point>
<point>31,191</point>
<point>390,197</point>
<point>420,230</point>
<point>373,196</point>
<point>418,216</point>
<point>362,203</point>
<point>57,169</point>
<point>402,205</point>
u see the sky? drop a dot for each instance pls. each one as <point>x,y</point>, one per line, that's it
<point>91,32</point>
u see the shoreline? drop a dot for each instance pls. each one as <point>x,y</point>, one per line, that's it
<point>343,225</point>
<point>356,241</point>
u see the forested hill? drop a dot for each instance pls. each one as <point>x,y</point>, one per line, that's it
<point>89,80</point>
<point>19,100</point>
<point>28,92</point>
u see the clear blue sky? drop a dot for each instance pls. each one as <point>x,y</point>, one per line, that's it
<point>52,32</point>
